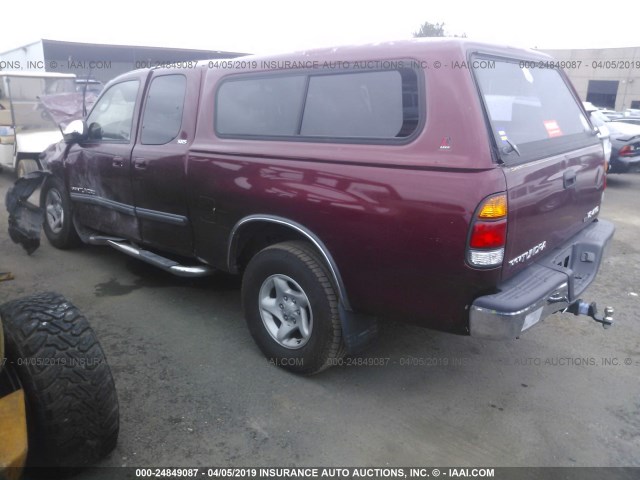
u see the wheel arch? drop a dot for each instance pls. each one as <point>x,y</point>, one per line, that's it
<point>254,231</point>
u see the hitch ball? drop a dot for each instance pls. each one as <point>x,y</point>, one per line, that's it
<point>591,309</point>
<point>607,321</point>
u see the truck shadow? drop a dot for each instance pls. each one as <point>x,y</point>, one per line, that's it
<point>148,276</point>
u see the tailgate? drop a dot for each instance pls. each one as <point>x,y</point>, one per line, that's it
<point>549,202</point>
<point>551,157</point>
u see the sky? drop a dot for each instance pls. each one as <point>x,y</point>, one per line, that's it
<point>264,27</point>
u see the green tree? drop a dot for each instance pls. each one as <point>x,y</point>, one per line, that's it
<point>429,29</point>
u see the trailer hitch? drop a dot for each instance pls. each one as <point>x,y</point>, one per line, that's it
<point>590,309</point>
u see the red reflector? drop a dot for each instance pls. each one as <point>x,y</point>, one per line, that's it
<point>488,234</point>
<point>626,150</point>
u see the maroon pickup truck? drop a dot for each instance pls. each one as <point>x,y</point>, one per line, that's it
<point>451,184</point>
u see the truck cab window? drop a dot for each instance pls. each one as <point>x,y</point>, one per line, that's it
<point>112,116</point>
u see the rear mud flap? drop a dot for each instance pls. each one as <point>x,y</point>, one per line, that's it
<point>25,218</point>
<point>358,331</point>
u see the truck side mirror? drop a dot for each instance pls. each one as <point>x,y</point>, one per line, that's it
<point>74,132</point>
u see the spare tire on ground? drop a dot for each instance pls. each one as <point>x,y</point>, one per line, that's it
<point>72,406</point>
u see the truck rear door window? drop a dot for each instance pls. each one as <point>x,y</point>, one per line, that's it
<point>532,112</point>
<point>163,109</point>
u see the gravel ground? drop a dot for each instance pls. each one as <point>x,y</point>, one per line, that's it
<point>195,391</point>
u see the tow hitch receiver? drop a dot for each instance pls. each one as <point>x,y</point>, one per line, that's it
<point>583,308</point>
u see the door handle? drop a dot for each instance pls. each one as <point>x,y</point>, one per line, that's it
<point>118,162</point>
<point>569,179</point>
<point>140,163</point>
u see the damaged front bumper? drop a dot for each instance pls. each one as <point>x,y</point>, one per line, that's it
<point>550,285</point>
<point>25,218</point>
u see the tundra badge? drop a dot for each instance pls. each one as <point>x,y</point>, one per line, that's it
<point>591,213</point>
<point>528,254</point>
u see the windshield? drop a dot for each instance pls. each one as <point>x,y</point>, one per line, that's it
<point>25,100</point>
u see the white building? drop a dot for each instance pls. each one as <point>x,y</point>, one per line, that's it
<point>102,62</point>
<point>607,77</point>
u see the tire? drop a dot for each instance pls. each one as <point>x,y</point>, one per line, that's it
<point>58,222</point>
<point>304,333</point>
<point>72,406</point>
<point>26,166</point>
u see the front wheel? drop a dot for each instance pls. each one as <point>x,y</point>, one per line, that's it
<point>58,222</point>
<point>291,308</point>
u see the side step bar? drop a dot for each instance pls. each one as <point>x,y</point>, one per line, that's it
<point>94,238</point>
<point>166,264</point>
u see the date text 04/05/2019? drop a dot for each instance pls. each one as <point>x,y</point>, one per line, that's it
<point>313,472</point>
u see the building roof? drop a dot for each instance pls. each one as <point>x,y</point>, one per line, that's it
<point>88,51</point>
<point>35,74</point>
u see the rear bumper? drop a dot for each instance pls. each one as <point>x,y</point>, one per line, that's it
<point>545,287</point>
<point>624,164</point>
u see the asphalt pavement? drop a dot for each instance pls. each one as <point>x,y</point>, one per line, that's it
<point>194,390</point>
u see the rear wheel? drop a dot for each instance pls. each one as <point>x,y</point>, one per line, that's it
<point>291,308</point>
<point>72,407</point>
<point>58,222</point>
<point>26,166</point>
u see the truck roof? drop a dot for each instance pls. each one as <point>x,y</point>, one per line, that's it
<point>395,49</point>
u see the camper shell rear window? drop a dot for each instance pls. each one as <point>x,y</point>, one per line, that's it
<point>531,110</point>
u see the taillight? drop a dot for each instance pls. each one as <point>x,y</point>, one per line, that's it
<point>626,150</point>
<point>494,207</point>
<point>488,233</point>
